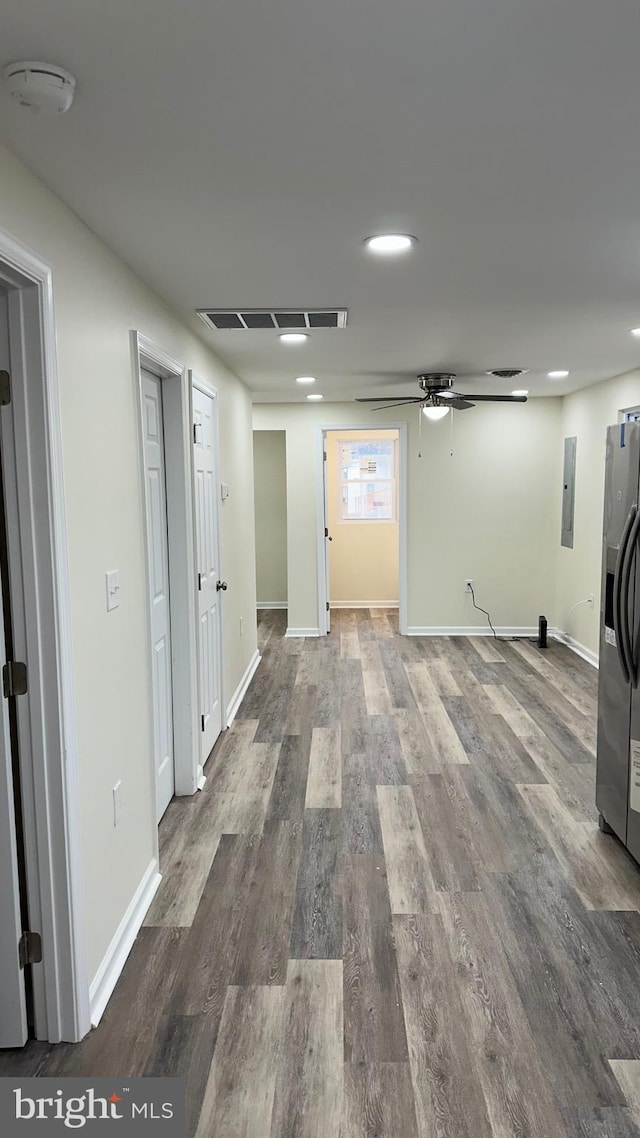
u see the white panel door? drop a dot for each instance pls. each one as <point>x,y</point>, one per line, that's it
<point>13,1008</point>
<point>13,1011</point>
<point>158,589</point>
<point>206,511</point>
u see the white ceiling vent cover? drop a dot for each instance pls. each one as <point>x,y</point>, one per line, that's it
<point>272,319</point>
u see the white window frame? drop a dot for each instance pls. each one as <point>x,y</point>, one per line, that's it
<point>393,520</point>
<point>629,415</point>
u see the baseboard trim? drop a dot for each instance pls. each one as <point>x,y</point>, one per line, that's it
<point>470,630</point>
<point>116,955</point>
<point>239,693</point>
<point>580,650</point>
<point>281,605</point>
<point>364,604</point>
<point>291,632</point>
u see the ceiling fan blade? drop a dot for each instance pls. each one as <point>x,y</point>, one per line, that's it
<point>458,403</point>
<point>387,398</point>
<point>388,406</point>
<point>494,398</point>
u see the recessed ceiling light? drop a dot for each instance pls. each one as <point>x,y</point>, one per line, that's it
<point>317,396</point>
<point>563,374</point>
<point>522,391</point>
<point>635,331</point>
<point>306,379</point>
<point>434,413</point>
<point>389,243</point>
<point>294,337</point>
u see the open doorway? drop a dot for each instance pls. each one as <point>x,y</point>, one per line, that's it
<point>270,490</point>
<point>44,988</point>
<point>16,1008</point>
<point>363,547</point>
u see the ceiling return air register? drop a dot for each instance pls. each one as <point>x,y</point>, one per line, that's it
<point>270,320</point>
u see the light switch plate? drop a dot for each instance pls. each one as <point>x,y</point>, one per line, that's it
<point>224,491</point>
<point>113,589</point>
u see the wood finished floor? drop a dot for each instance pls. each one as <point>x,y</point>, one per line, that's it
<point>390,913</point>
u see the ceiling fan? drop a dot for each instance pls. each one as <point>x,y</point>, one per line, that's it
<point>438,394</point>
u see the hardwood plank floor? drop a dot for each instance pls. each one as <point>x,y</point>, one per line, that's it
<point>378,1101</point>
<point>389,913</point>
<point>310,1086</point>
<point>324,784</point>
<point>410,882</point>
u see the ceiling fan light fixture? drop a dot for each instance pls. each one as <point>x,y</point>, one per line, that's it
<point>435,413</point>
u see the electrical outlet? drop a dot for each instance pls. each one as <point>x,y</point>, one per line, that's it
<point>590,600</point>
<point>117,802</point>
<point>468,584</point>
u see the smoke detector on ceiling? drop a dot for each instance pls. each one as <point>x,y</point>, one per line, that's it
<point>40,86</point>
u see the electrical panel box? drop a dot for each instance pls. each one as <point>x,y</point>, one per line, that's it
<point>568,491</point>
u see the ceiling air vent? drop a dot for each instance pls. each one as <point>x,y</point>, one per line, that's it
<point>279,320</point>
<point>508,372</point>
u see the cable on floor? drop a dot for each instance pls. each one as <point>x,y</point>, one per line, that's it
<point>504,639</point>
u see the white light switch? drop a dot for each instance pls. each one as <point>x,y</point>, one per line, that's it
<point>224,491</point>
<point>113,589</point>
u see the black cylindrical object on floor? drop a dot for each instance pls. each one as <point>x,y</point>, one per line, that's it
<point>542,632</point>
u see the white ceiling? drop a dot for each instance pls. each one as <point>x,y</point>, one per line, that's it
<point>236,153</point>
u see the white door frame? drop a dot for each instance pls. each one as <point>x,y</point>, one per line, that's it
<point>402,429</point>
<point>207,388</point>
<point>176,398</point>
<point>47,719</point>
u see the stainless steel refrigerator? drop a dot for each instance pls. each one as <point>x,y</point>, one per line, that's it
<point>618,754</point>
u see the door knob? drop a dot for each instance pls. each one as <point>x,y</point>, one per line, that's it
<point>221,585</point>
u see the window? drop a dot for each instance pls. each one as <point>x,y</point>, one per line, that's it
<point>630,415</point>
<point>367,480</point>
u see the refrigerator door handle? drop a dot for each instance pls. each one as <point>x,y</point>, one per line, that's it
<point>620,625</point>
<point>627,630</point>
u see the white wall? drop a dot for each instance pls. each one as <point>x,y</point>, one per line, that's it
<point>587,414</point>
<point>363,556</point>
<point>491,511</point>
<point>270,479</point>
<point>97,302</point>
